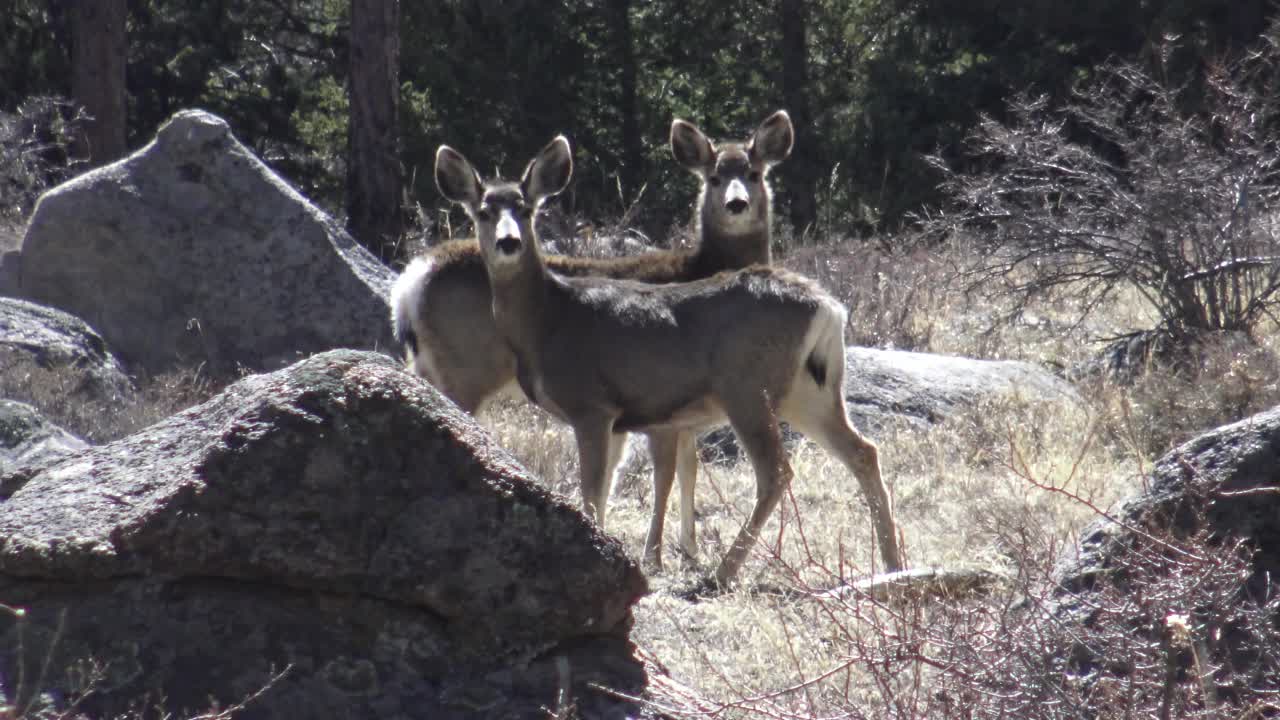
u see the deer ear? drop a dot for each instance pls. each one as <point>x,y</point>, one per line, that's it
<point>771,142</point>
<point>455,177</point>
<point>690,147</point>
<point>548,174</point>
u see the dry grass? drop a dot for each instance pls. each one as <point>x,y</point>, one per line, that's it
<point>10,236</point>
<point>1006,486</point>
<point>960,496</point>
<point>911,293</point>
<point>60,395</point>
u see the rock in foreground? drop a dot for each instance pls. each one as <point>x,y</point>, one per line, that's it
<point>337,518</point>
<point>1226,482</point>
<point>1182,576</point>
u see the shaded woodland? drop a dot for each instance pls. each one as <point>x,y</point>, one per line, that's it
<point>348,110</point>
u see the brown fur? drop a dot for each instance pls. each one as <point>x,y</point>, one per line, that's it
<point>441,308</point>
<point>608,355</point>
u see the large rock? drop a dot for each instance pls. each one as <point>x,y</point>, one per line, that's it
<point>922,389</point>
<point>28,438</point>
<point>192,251</point>
<point>1226,481</point>
<point>33,336</point>
<point>1176,588</point>
<point>338,518</point>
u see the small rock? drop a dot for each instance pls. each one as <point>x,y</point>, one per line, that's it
<point>886,388</point>
<point>32,335</point>
<point>925,389</point>
<point>28,438</point>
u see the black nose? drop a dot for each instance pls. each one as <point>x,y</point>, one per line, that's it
<point>736,205</point>
<point>509,245</point>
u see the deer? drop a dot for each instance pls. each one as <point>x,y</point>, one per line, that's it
<point>441,301</point>
<point>607,356</point>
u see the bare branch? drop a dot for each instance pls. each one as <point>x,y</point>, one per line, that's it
<point>1122,188</point>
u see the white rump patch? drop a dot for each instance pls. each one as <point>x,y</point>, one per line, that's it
<point>406,295</point>
<point>824,337</point>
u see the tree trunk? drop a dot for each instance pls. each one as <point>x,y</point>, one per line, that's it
<point>628,110</point>
<point>98,53</point>
<point>373,163</point>
<point>800,173</point>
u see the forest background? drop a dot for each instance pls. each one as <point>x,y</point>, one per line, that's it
<point>351,112</point>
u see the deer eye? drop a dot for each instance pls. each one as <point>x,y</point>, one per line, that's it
<point>484,214</point>
<point>754,176</point>
<point>715,180</point>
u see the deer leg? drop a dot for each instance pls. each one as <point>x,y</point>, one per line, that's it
<point>663,447</point>
<point>595,439</point>
<point>757,429</point>
<point>613,457</point>
<point>834,433</point>
<point>687,472</point>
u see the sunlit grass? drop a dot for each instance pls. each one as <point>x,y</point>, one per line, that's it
<point>1006,485</point>
<point>997,486</point>
<point>962,500</point>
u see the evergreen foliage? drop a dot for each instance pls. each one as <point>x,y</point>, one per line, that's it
<point>887,83</point>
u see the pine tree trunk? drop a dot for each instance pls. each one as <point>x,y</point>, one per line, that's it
<point>800,173</point>
<point>99,50</point>
<point>628,107</point>
<point>373,162</point>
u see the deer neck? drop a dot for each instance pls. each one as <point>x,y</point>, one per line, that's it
<point>719,250</point>
<point>520,297</point>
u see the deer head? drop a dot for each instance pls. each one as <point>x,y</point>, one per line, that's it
<point>503,211</point>
<point>735,194</point>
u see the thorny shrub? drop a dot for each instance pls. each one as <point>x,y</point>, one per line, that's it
<point>1226,377</point>
<point>1179,625</point>
<point>1122,188</point>
<point>891,292</point>
<point>58,394</point>
<point>35,152</point>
